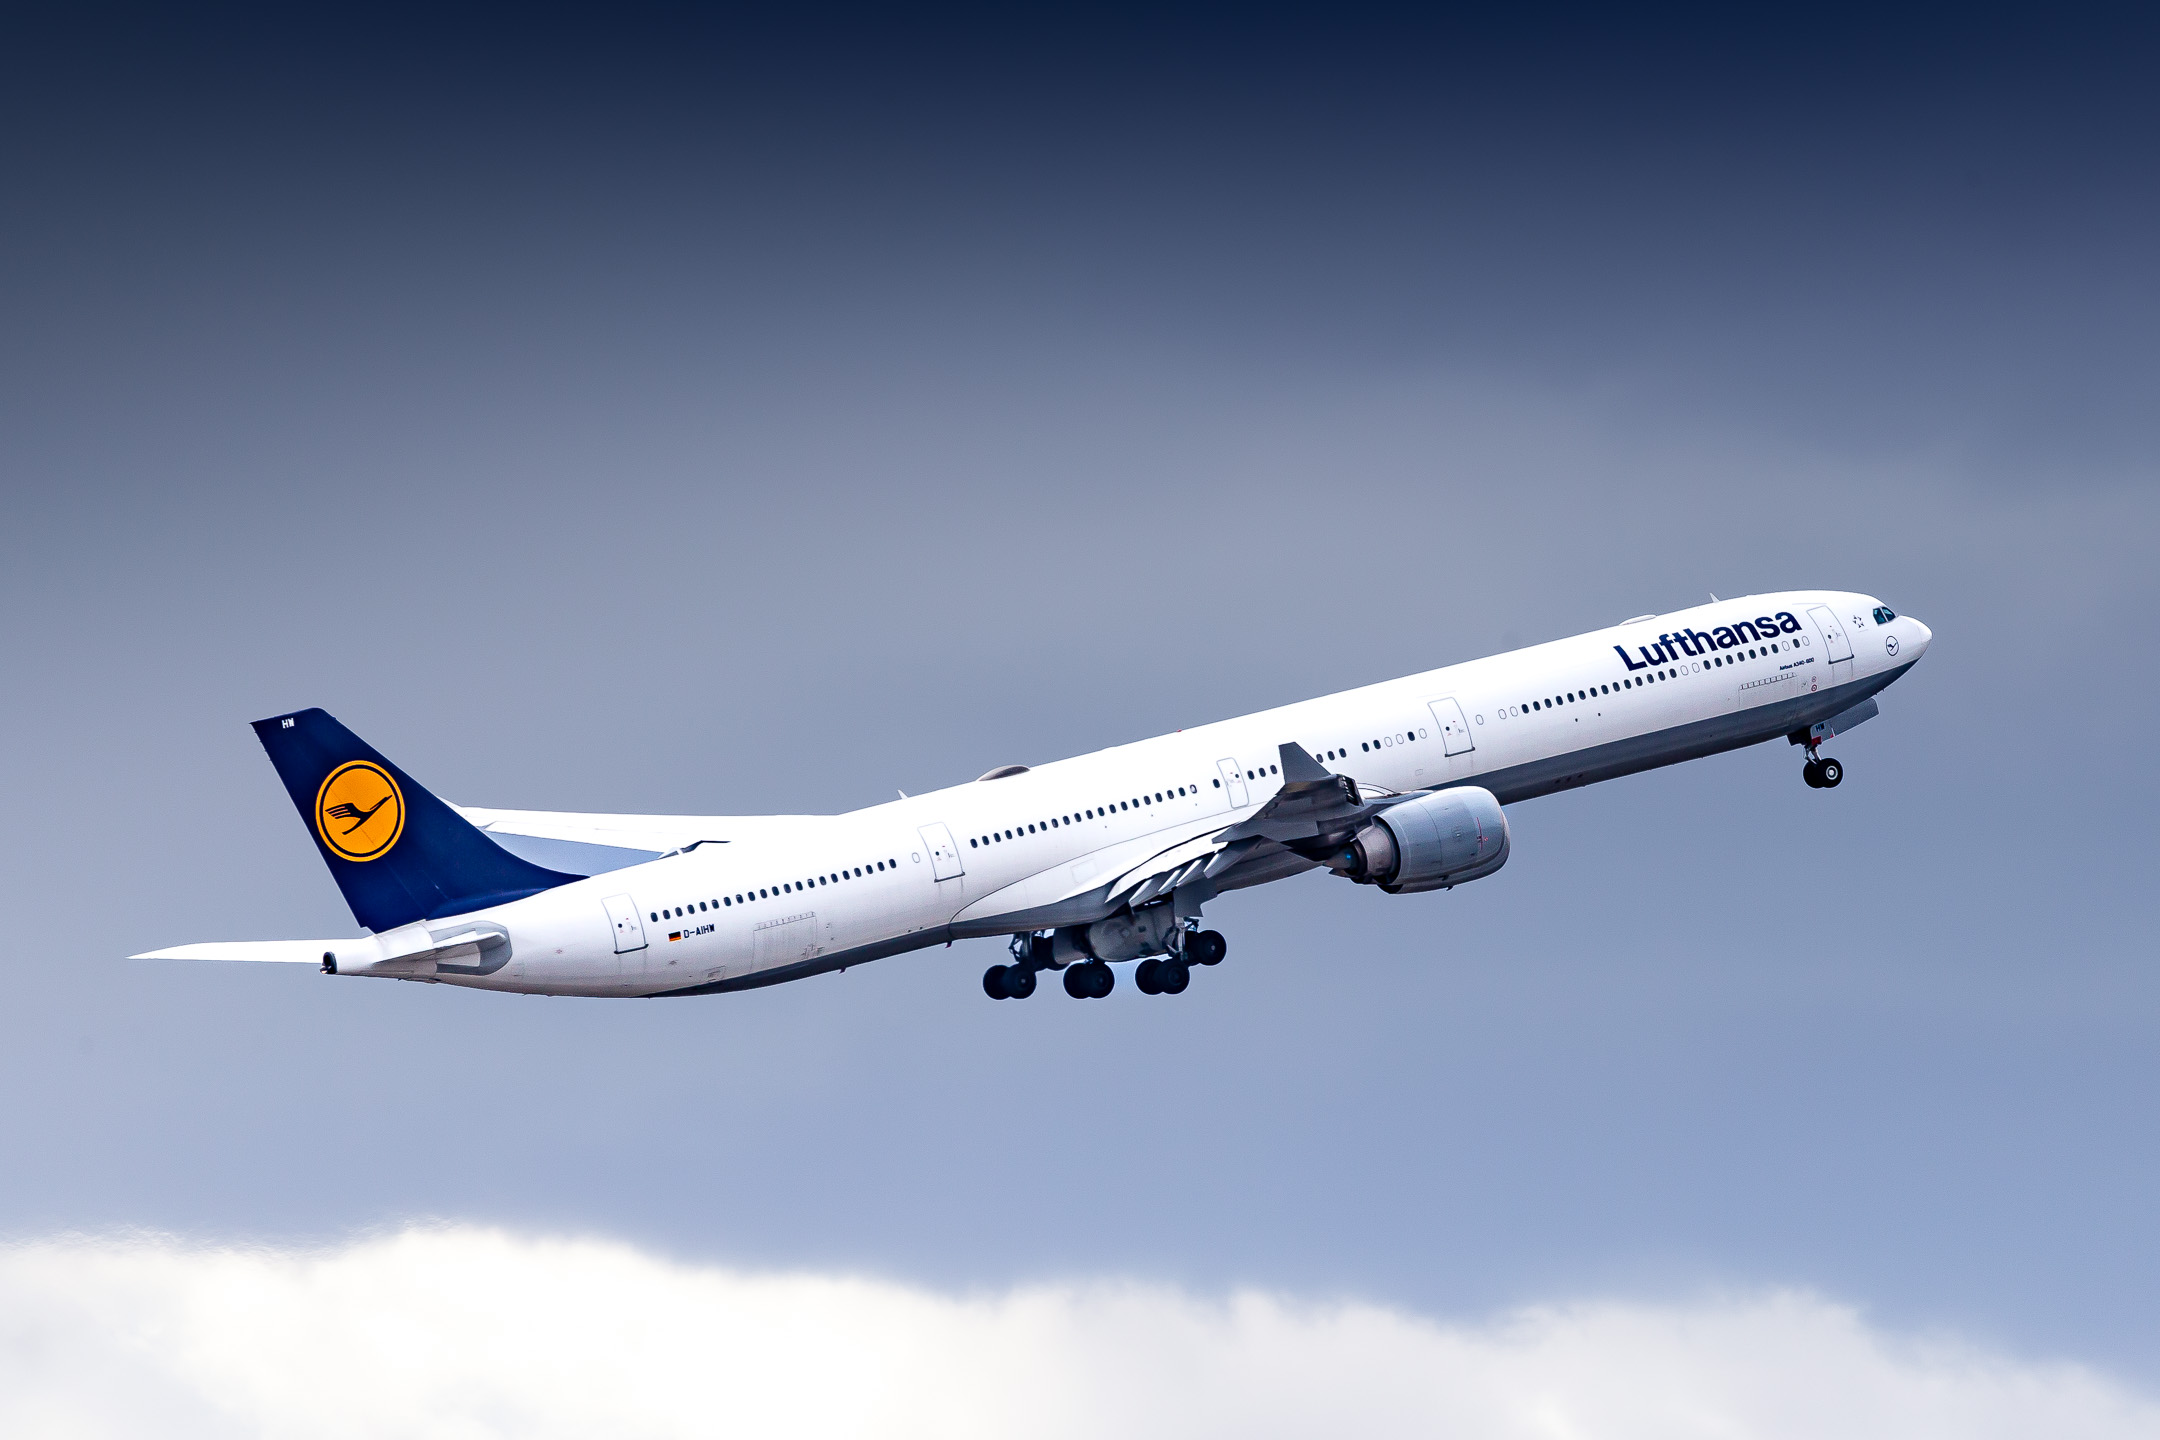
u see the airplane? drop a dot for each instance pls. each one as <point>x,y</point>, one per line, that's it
<point>1083,863</point>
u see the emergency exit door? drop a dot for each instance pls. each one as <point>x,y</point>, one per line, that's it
<point>629,926</point>
<point>1454,730</point>
<point>944,854</point>
<point>1234,778</point>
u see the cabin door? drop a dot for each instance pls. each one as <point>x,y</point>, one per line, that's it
<point>1233,779</point>
<point>1454,730</point>
<point>944,854</point>
<point>629,925</point>
<point>1836,648</point>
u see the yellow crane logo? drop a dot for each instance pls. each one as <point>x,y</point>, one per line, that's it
<point>359,811</point>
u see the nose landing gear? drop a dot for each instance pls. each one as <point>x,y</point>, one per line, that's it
<point>1823,774</point>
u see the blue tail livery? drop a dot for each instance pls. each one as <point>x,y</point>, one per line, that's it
<point>398,853</point>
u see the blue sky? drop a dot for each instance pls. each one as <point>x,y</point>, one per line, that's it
<point>706,418</point>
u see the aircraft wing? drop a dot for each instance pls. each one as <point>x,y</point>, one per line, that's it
<point>1314,806</point>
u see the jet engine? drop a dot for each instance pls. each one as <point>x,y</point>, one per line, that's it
<point>1433,842</point>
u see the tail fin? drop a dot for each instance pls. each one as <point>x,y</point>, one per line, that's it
<point>397,852</point>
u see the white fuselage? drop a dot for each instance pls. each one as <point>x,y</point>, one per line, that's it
<point>782,897</point>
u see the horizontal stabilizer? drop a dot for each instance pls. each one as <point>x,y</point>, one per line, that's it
<point>408,950</point>
<point>291,952</point>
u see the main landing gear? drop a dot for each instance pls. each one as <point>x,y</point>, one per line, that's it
<point>1008,982</point>
<point>1093,979</point>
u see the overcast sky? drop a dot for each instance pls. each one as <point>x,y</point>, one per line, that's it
<point>649,414</point>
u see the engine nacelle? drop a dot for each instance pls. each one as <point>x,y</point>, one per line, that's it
<point>1430,843</point>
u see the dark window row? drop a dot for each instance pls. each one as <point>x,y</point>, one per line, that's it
<point>1059,822</point>
<point>1366,747</point>
<point>1573,697</point>
<point>788,887</point>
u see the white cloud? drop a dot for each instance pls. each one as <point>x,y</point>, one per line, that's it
<point>462,1333</point>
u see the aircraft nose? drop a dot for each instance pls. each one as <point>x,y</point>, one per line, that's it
<point>1921,635</point>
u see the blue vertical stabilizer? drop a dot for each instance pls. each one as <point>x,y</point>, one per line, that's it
<point>398,853</point>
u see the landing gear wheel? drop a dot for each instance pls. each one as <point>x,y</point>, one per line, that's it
<point>1829,773</point>
<point>1172,977</point>
<point>1019,983</point>
<point>994,981</point>
<point>1206,948</point>
<point>1812,773</point>
<point>1148,977</point>
<point>1090,981</point>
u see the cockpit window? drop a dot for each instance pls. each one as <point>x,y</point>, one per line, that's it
<point>1884,614</point>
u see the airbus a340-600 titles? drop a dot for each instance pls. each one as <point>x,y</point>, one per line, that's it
<point>1084,863</point>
